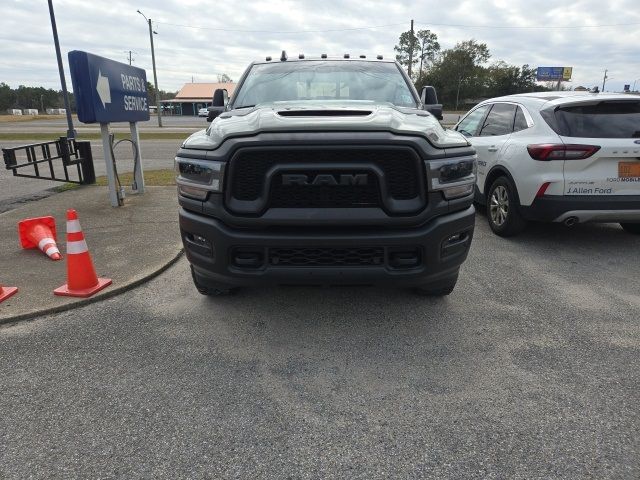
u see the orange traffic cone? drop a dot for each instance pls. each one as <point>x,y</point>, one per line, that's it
<point>82,280</point>
<point>6,292</point>
<point>40,233</point>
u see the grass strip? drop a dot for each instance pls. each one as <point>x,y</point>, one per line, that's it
<point>51,136</point>
<point>152,178</point>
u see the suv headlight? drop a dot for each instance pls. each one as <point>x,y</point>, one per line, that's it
<point>196,178</point>
<point>454,177</point>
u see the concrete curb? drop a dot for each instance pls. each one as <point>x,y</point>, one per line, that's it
<point>105,294</point>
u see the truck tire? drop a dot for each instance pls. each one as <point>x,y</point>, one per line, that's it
<point>631,228</point>
<point>217,291</point>
<point>503,212</point>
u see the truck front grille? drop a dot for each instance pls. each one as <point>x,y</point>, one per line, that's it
<point>393,174</point>
<point>324,196</point>
<point>326,257</point>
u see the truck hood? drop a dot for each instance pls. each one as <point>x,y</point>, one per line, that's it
<point>324,116</point>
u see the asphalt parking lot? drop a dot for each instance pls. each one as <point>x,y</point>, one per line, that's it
<point>530,369</point>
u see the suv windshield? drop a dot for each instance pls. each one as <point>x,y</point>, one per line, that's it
<point>380,82</point>
<point>608,119</point>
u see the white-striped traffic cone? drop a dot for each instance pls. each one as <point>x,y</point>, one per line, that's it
<point>6,292</point>
<point>39,233</point>
<point>82,280</point>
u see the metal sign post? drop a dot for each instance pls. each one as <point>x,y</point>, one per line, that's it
<point>108,91</point>
<point>138,177</point>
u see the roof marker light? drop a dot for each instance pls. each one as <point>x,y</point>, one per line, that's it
<point>268,59</point>
<point>379,57</point>
<point>283,57</point>
<point>346,55</point>
<point>363,56</point>
<point>301,56</point>
<point>324,55</point>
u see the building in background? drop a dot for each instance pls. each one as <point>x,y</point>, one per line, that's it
<point>192,97</point>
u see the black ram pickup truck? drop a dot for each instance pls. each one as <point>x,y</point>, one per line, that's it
<point>325,171</point>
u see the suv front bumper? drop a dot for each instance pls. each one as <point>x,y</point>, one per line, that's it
<point>441,245</point>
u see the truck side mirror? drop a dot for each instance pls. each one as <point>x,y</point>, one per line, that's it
<point>218,104</point>
<point>220,97</point>
<point>428,96</point>
<point>429,100</point>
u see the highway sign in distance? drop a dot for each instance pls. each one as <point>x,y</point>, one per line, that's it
<point>552,74</point>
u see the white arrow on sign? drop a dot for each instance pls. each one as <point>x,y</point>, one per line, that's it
<point>103,89</point>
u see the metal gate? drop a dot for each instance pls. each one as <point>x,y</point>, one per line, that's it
<point>63,160</point>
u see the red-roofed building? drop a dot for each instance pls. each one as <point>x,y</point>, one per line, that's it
<point>192,97</point>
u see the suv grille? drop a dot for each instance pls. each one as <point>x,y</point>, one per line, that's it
<point>326,257</point>
<point>249,168</point>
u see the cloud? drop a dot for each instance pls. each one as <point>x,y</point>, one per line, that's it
<point>235,33</point>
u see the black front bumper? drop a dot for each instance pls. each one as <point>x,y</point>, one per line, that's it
<point>212,248</point>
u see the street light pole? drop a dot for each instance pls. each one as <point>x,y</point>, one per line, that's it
<point>155,75</point>
<point>71,133</point>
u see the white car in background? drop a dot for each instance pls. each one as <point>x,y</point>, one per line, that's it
<point>558,157</point>
<point>203,112</point>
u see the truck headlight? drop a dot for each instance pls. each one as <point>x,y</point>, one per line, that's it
<point>454,177</point>
<point>196,178</point>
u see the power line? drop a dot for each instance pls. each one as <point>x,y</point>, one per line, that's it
<point>430,24</point>
<point>279,31</point>
<point>525,27</point>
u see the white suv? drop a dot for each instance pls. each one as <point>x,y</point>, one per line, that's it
<point>557,156</point>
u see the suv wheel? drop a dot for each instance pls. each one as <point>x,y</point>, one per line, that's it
<point>503,211</point>
<point>631,227</point>
<point>217,291</point>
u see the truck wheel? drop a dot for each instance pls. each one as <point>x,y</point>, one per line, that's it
<point>217,291</point>
<point>631,227</point>
<point>503,213</point>
<point>439,290</point>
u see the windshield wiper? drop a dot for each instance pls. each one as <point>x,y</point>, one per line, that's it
<point>243,106</point>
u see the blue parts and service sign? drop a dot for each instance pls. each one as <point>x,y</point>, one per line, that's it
<point>547,74</point>
<point>108,91</point>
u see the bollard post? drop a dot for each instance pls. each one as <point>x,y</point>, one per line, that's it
<point>86,165</point>
<point>63,146</point>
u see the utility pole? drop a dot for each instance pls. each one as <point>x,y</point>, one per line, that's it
<point>155,75</point>
<point>410,50</point>
<point>460,78</point>
<point>604,80</point>
<point>71,133</point>
<point>129,57</point>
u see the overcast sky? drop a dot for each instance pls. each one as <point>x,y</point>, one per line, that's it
<point>201,39</point>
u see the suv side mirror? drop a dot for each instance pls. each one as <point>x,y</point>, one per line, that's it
<point>218,104</point>
<point>429,100</point>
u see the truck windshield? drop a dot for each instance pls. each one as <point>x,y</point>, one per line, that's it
<point>380,82</point>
